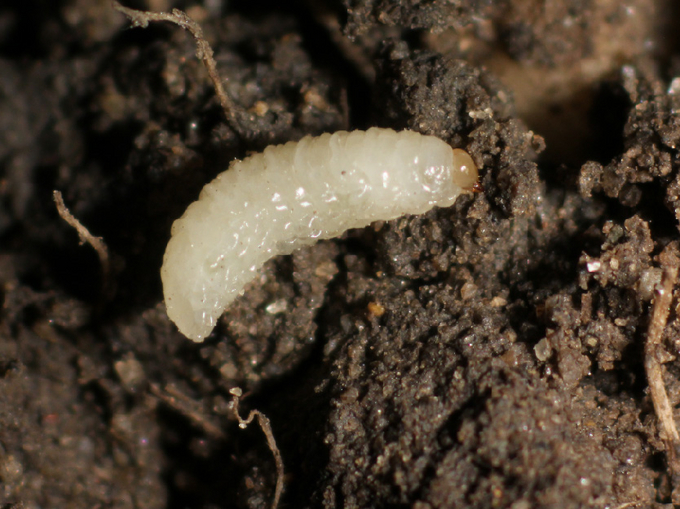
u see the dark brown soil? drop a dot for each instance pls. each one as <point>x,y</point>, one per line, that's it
<point>486,355</point>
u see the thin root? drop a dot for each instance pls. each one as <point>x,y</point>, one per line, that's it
<point>86,237</point>
<point>267,429</point>
<point>180,402</point>
<point>204,52</point>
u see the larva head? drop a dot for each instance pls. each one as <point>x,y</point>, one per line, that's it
<point>446,173</point>
<point>424,171</point>
<point>464,170</point>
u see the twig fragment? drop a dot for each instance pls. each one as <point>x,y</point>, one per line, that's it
<point>654,358</point>
<point>662,303</point>
<point>97,243</point>
<point>204,52</point>
<point>265,424</point>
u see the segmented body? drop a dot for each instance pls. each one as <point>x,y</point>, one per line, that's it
<point>292,195</point>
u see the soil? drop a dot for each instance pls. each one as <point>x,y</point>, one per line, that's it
<point>491,354</point>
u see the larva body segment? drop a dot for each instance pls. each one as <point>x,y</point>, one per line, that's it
<point>292,195</point>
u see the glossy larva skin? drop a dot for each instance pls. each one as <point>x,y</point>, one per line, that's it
<point>292,195</point>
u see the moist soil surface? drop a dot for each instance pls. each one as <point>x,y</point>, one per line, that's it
<point>490,354</point>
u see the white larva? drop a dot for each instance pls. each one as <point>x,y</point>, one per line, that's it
<point>292,195</point>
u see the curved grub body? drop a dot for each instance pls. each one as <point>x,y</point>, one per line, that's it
<point>292,195</point>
